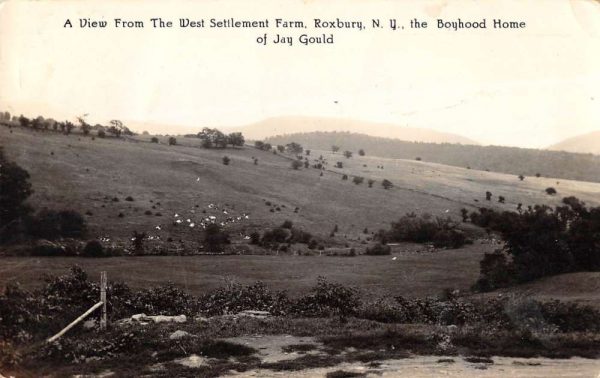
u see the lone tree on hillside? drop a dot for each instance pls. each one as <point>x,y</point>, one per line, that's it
<point>236,139</point>
<point>294,148</point>
<point>83,125</point>
<point>387,184</point>
<point>116,128</point>
<point>213,138</point>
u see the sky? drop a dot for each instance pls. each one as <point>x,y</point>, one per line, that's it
<point>529,88</point>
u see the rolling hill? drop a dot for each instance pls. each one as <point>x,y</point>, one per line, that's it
<point>511,160</point>
<point>187,183</point>
<point>287,125</point>
<point>585,144</point>
<point>96,177</point>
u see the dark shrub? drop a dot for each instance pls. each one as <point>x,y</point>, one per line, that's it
<point>226,160</point>
<point>379,250</point>
<point>542,241</point>
<point>358,180</point>
<point>137,242</point>
<point>551,191</point>
<point>172,141</point>
<point>300,236</point>
<point>276,235</point>
<point>296,164</point>
<point>215,238</point>
<point>93,248</point>
<point>154,140</point>
<point>443,233</point>
<point>235,298</point>
<point>255,238</point>
<point>328,299</point>
<point>387,184</point>
<point>287,224</point>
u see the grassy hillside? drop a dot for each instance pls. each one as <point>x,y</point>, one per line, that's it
<point>87,175</point>
<point>529,162</point>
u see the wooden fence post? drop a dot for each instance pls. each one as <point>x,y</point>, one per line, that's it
<point>103,299</point>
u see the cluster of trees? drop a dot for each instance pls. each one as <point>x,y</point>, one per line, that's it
<point>441,232</point>
<point>280,238</point>
<point>214,138</point>
<point>16,218</point>
<point>263,146</point>
<point>116,127</point>
<point>540,241</point>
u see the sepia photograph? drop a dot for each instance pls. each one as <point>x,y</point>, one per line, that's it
<point>300,188</point>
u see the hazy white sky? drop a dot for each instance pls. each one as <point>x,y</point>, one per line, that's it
<point>527,88</point>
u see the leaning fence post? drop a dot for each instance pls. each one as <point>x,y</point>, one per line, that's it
<point>103,299</point>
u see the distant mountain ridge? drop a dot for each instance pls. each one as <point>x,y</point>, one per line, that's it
<point>586,144</point>
<point>287,125</point>
<point>513,160</point>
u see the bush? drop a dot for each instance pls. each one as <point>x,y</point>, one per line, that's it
<point>387,184</point>
<point>276,235</point>
<point>226,160</point>
<point>551,191</point>
<point>93,248</point>
<point>154,140</point>
<point>442,232</point>
<point>296,164</point>
<point>172,141</point>
<point>215,238</point>
<point>379,250</point>
<point>255,238</point>
<point>287,224</point>
<point>358,180</point>
<point>164,300</point>
<point>101,134</point>
<point>540,242</point>
<point>328,299</point>
<point>235,298</point>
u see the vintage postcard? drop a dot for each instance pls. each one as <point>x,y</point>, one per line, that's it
<point>300,188</point>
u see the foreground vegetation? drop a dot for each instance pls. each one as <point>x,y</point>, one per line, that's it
<point>446,325</point>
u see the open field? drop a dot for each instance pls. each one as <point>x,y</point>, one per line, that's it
<point>413,274</point>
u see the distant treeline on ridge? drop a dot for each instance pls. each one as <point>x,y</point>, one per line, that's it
<point>513,160</point>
